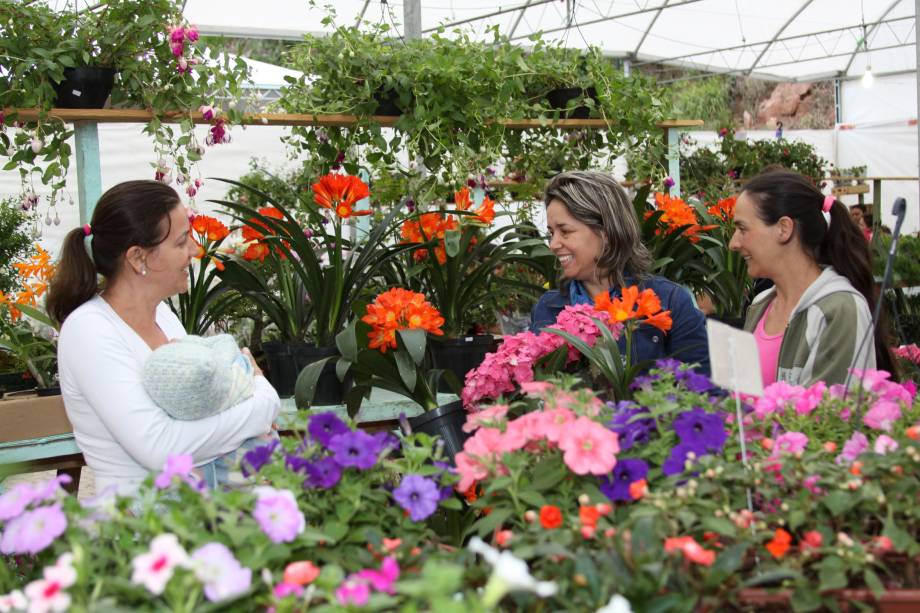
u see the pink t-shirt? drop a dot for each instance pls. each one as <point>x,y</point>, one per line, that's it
<point>768,347</point>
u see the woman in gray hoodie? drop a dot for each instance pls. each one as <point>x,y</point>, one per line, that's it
<point>812,325</point>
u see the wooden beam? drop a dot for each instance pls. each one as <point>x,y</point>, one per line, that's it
<point>286,119</point>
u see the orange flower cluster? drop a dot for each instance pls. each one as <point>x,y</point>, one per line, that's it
<point>427,227</point>
<point>643,307</point>
<point>34,276</point>
<point>257,249</point>
<point>724,209</point>
<point>208,230</point>
<point>399,309</point>
<point>485,213</point>
<point>340,193</point>
<point>679,214</point>
<point>691,550</point>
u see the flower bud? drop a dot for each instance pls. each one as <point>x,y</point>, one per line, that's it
<point>530,516</point>
<point>584,500</point>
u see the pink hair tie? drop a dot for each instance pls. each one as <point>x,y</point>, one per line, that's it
<point>828,203</point>
<point>87,230</point>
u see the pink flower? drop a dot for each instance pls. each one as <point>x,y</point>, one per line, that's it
<point>179,465</point>
<point>177,49</point>
<point>589,447</point>
<point>155,568</point>
<point>277,514</point>
<point>382,580</point>
<point>811,484</point>
<point>37,144</point>
<point>884,444</point>
<point>176,34</point>
<point>33,531</point>
<point>551,424</point>
<point>857,444</point>
<point>470,470</point>
<point>526,427</point>
<point>14,601</point>
<point>810,398</point>
<point>537,388</point>
<point>285,589</point>
<point>15,500</point>
<point>882,415</point>
<point>182,65</point>
<point>207,112</point>
<point>353,592</point>
<point>691,550</point>
<point>789,442</point>
<point>220,572</point>
<point>191,33</point>
<point>492,417</point>
<point>776,397</point>
<point>47,594</point>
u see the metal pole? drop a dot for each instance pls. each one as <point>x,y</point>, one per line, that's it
<point>917,66</point>
<point>412,15</point>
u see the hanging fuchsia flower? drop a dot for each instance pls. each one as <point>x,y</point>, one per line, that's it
<point>177,49</point>
<point>183,65</point>
<point>176,34</point>
<point>33,531</point>
<point>207,112</point>
<point>277,514</point>
<point>191,34</point>
<point>218,134</point>
<point>155,568</point>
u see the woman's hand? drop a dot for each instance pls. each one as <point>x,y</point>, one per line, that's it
<point>255,367</point>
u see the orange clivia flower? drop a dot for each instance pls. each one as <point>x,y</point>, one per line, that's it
<point>780,543</point>
<point>210,227</point>
<point>550,516</point>
<point>724,209</point>
<point>399,309</point>
<point>250,233</point>
<point>644,307</point>
<point>256,251</point>
<point>429,226</point>
<point>34,275</point>
<point>340,193</point>
<point>678,214</point>
<point>485,213</point>
<point>462,199</point>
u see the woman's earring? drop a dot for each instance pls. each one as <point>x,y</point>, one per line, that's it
<point>143,272</point>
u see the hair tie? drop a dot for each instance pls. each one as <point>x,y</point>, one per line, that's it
<point>88,242</point>
<point>826,208</point>
<point>87,230</point>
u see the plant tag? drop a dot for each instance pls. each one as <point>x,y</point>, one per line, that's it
<point>734,359</point>
<point>470,339</point>
<point>76,92</point>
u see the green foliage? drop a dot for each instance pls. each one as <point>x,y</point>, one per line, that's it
<point>906,267</point>
<point>708,99</point>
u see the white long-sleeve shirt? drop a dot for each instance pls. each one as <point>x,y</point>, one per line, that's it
<point>123,435</point>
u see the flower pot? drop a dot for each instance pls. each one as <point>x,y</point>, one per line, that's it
<point>15,382</point>
<point>892,601</point>
<point>49,391</point>
<point>460,355</point>
<point>84,87</point>
<point>559,99</point>
<point>446,422</point>
<point>285,360</point>
<point>387,103</point>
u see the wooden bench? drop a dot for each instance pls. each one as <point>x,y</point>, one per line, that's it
<point>36,435</point>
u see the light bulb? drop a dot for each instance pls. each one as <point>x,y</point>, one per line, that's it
<point>868,79</point>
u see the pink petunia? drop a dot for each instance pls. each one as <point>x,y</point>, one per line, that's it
<point>33,531</point>
<point>493,417</point>
<point>353,591</point>
<point>154,568</point>
<point>552,424</point>
<point>383,579</point>
<point>884,444</point>
<point>852,449</point>
<point>277,514</point>
<point>589,447</point>
<point>789,442</point>
<point>882,415</point>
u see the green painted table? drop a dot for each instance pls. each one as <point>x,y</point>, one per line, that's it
<point>60,452</point>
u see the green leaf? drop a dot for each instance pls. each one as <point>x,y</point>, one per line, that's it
<point>839,503</point>
<point>805,598</point>
<point>491,521</point>
<point>719,524</point>
<point>406,368</point>
<point>832,574</point>
<point>452,243</point>
<point>347,342</point>
<point>873,583</point>
<point>305,387</point>
<point>900,538</point>
<point>414,341</point>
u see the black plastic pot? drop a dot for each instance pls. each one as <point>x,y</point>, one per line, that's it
<point>447,422</point>
<point>49,391</point>
<point>15,382</point>
<point>460,355</point>
<point>285,361</point>
<point>559,99</point>
<point>84,87</point>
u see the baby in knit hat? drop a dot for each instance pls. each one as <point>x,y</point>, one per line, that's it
<point>195,377</point>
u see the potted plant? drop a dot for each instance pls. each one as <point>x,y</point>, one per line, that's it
<point>31,344</point>
<point>386,348</point>
<point>158,63</point>
<point>303,276</point>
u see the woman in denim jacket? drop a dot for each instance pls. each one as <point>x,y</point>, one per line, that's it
<point>594,232</point>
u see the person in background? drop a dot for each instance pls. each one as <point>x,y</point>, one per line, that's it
<point>814,324</point>
<point>594,232</point>
<point>138,241</point>
<point>779,130</point>
<point>862,220</point>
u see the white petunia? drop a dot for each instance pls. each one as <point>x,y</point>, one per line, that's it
<point>509,574</point>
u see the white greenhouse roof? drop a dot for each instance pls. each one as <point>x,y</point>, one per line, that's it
<point>780,39</point>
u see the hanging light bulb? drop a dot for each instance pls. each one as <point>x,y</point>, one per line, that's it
<point>868,79</point>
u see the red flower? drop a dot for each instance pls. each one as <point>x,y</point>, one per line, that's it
<point>780,543</point>
<point>589,516</point>
<point>550,517</point>
<point>811,540</point>
<point>691,550</point>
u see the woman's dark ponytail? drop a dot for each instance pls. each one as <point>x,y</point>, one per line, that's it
<point>133,213</point>
<point>840,243</point>
<point>75,280</point>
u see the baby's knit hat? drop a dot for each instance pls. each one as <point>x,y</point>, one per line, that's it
<point>195,377</point>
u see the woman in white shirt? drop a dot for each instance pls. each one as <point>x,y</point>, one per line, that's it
<point>139,242</point>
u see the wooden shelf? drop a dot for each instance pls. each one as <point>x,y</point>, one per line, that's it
<point>286,119</point>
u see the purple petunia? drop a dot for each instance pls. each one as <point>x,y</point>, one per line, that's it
<point>323,474</point>
<point>694,381</point>
<point>701,429</point>
<point>295,463</point>
<point>632,430</point>
<point>324,426</point>
<point>675,464</point>
<point>256,458</point>
<point>627,471</point>
<point>418,495</point>
<point>355,448</point>
<point>34,530</point>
